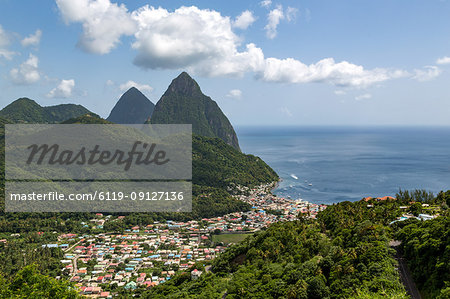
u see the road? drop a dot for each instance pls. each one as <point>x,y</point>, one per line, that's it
<point>73,246</point>
<point>405,275</point>
<point>74,266</point>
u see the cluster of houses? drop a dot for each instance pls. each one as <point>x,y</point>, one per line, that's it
<point>405,216</point>
<point>150,255</point>
<point>144,257</point>
<point>288,209</point>
<point>422,217</point>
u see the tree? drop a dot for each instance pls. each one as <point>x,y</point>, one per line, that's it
<point>317,288</point>
<point>415,208</point>
<point>29,283</point>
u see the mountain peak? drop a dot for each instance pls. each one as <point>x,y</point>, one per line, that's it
<point>184,84</point>
<point>133,107</point>
<point>132,89</point>
<point>23,101</point>
<point>25,110</point>
<point>184,103</point>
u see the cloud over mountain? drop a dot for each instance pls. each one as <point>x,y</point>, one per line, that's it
<point>142,87</point>
<point>63,90</point>
<point>103,23</point>
<point>202,42</point>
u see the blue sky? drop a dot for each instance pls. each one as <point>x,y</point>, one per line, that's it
<point>265,63</point>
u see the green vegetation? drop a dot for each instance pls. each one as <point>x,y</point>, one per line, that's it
<point>211,197</point>
<point>303,259</point>
<point>25,110</point>
<point>426,247</point>
<point>184,103</point>
<point>343,254</point>
<point>217,164</point>
<point>29,283</point>
<point>217,169</point>
<point>88,118</point>
<point>229,238</point>
<point>63,112</point>
<point>26,249</point>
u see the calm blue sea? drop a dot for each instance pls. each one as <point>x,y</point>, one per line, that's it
<point>332,164</point>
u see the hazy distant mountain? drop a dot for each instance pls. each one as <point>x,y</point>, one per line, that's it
<point>25,110</point>
<point>184,103</point>
<point>132,108</point>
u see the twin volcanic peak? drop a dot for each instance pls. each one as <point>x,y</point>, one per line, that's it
<point>184,103</point>
<point>132,108</point>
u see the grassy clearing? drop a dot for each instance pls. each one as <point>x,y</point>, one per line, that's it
<point>229,238</point>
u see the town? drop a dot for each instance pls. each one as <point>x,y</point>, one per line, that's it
<point>147,256</point>
<point>144,256</point>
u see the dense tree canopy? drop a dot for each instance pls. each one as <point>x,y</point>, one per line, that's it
<point>426,247</point>
<point>29,283</point>
<point>343,255</point>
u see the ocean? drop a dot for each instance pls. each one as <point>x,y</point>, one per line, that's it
<point>333,164</point>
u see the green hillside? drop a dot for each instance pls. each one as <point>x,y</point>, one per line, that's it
<point>217,164</point>
<point>88,118</point>
<point>25,110</point>
<point>63,112</point>
<point>216,169</point>
<point>301,259</point>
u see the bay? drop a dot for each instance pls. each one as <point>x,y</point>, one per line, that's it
<point>333,164</point>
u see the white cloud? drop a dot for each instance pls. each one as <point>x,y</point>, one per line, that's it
<point>428,73</point>
<point>63,90</point>
<point>443,60</point>
<point>202,41</point>
<point>103,23</point>
<point>365,96</point>
<point>326,70</point>
<point>265,3</point>
<point>275,16</point>
<point>234,94</point>
<point>286,112</point>
<point>244,20</point>
<point>340,92</point>
<point>291,13</point>
<point>27,72</point>
<point>4,43</point>
<point>142,87</point>
<point>273,19</point>
<point>7,54</point>
<point>109,82</point>
<point>33,39</point>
